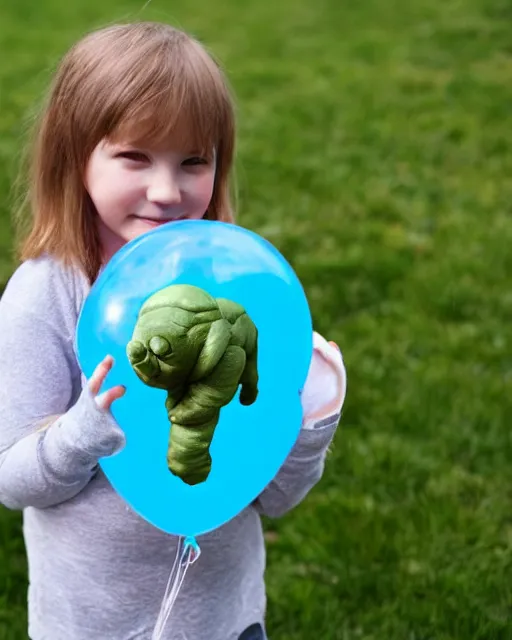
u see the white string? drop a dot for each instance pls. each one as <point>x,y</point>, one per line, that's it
<point>172,598</point>
<point>169,581</point>
<point>168,602</point>
<point>185,549</point>
<point>189,551</point>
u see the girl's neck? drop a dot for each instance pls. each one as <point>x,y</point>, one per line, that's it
<point>110,243</point>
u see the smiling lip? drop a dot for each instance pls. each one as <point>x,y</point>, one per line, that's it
<point>155,222</point>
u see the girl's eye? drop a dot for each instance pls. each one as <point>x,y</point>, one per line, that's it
<point>135,156</point>
<point>195,160</point>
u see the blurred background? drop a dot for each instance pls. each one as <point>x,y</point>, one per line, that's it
<point>375,153</point>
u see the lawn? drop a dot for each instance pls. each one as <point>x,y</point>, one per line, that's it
<point>375,153</point>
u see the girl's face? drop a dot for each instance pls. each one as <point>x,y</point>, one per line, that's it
<point>135,189</point>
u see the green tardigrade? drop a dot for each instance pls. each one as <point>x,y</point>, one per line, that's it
<point>199,349</point>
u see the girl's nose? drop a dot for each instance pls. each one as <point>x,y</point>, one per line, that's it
<point>164,188</point>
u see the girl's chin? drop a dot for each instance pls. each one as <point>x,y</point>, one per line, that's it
<point>113,242</point>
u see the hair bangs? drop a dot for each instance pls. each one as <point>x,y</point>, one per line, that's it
<point>188,109</point>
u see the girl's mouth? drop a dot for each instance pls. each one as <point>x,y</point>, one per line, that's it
<point>156,222</point>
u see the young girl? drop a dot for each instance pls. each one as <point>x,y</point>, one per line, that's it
<point>138,131</point>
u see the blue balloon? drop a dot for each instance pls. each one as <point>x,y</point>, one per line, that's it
<point>250,443</point>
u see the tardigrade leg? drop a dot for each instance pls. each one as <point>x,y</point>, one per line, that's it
<point>194,418</point>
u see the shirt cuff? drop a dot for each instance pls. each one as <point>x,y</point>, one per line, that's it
<point>79,438</point>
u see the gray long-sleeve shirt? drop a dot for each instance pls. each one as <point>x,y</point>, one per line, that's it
<point>96,569</point>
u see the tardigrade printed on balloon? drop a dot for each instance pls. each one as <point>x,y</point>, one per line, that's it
<point>199,349</point>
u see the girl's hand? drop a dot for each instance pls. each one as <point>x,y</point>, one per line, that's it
<point>324,390</point>
<point>104,400</point>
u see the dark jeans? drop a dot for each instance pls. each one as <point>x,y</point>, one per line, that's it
<point>254,632</point>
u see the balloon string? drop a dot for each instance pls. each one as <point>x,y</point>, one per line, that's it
<point>187,553</point>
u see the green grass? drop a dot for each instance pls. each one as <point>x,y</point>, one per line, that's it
<point>375,153</point>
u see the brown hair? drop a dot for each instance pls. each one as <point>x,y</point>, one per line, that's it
<point>146,81</point>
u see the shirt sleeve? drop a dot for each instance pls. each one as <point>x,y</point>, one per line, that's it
<point>322,399</point>
<point>41,467</point>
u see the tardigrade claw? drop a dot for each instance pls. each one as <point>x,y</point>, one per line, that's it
<point>135,351</point>
<point>160,346</point>
<point>143,361</point>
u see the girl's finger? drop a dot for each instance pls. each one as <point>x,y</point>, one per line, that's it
<point>334,345</point>
<point>105,400</point>
<point>99,374</point>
